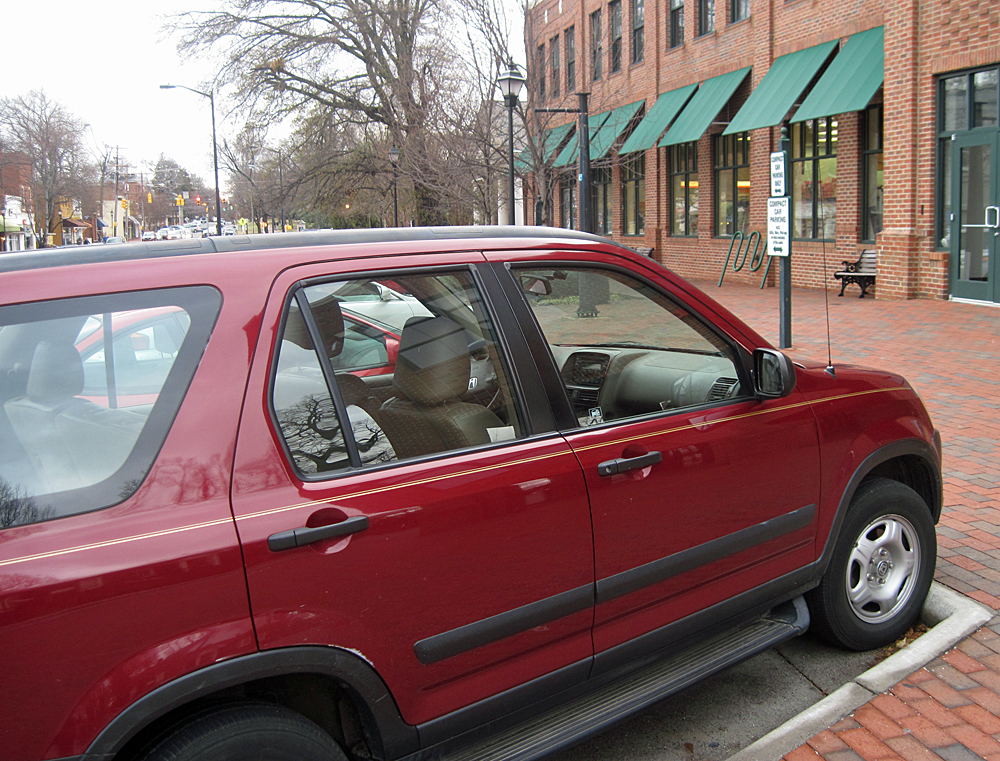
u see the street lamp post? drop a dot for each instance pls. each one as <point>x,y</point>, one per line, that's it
<point>510,86</point>
<point>215,151</point>
<point>394,160</point>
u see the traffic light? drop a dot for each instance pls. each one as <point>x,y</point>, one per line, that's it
<point>124,203</point>
<point>197,200</point>
<point>149,198</point>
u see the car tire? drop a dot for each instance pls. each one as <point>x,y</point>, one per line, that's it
<point>247,732</point>
<point>880,571</point>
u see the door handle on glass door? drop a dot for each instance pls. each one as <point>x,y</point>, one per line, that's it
<point>299,537</point>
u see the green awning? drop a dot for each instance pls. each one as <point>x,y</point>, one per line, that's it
<point>777,92</point>
<point>551,139</point>
<point>851,80</point>
<point>9,227</point>
<point>706,104</point>
<point>667,106</point>
<point>613,127</point>
<point>571,152</point>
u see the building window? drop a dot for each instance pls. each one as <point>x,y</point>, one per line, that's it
<point>638,30</point>
<point>634,193</point>
<point>567,203</point>
<point>676,23</point>
<point>554,61</point>
<point>871,169</point>
<point>965,101</point>
<point>596,45</point>
<point>814,178</point>
<point>684,189</point>
<point>706,17</point>
<point>600,189</point>
<point>739,10</point>
<point>570,37</point>
<point>732,183</point>
<point>615,19</point>
<point>541,71</point>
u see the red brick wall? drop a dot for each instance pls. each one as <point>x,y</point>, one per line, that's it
<point>923,38</point>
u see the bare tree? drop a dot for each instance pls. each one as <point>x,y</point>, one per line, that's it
<point>53,140</point>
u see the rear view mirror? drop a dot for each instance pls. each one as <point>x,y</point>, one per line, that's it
<point>537,285</point>
<point>773,374</point>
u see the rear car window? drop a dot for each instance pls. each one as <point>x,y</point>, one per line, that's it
<point>89,389</point>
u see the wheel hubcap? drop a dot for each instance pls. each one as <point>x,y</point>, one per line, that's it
<point>882,569</point>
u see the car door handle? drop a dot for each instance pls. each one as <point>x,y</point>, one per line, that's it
<point>611,467</point>
<point>300,537</point>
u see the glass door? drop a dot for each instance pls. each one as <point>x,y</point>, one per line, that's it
<point>975,222</point>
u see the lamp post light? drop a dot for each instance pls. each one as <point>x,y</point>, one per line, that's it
<point>394,160</point>
<point>215,151</point>
<point>510,84</point>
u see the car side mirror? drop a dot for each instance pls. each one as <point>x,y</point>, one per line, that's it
<point>536,285</point>
<point>773,374</point>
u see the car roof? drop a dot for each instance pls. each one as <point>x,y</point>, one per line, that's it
<point>492,237</point>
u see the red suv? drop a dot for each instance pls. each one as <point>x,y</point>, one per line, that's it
<point>574,485</point>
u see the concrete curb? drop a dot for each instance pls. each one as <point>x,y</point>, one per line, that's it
<point>952,616</point>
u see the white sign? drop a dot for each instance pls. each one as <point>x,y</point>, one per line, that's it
<point>778,226</point>
<point>778,173</point>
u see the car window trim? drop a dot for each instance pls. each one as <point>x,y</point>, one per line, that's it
<point>300,285</point>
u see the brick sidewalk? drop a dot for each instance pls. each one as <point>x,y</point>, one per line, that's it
<point>951,354</point>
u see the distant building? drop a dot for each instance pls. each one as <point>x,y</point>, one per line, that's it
<point>17,221</point>
<point>891,108</point>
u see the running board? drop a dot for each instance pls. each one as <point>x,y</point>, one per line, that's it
<point>589,714</point>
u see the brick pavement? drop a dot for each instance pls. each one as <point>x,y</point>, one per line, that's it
<point>951,354</point>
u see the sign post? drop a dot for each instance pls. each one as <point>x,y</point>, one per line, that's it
<point>779,238</point>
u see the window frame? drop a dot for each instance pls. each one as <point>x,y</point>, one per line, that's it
<point>569,37</point>
<point>568,186</point>
<point>554,64</point>
<point>596,46</point>
<point>540,59</point>
<point>870,154</point>
<point>633,179</point>
<point>675,14</point>
<point>638,31</point>
<point>706,17</point>
<point>689,172</point>
<point>814,159</point>
<point>739,10</point>
<point>485,312</point>
<point>600,181</point>
<point>725,147</point>
<point>615,35</point>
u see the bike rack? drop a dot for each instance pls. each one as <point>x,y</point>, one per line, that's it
<point>756,258</point>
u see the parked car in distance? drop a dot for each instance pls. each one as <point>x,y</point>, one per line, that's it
<point>176,232</point>
<point>162,233</point>
<point>114,239</point>
<point>149,235</point>
<point>410,494</point>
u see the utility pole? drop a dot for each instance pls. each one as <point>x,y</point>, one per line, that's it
<point>583,143</point>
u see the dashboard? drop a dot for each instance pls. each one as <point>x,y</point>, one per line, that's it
<point>609,383</point>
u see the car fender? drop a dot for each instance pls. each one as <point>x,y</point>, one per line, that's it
<point>383,723</point>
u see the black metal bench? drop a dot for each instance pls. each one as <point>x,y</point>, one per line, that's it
<point>862,273</point>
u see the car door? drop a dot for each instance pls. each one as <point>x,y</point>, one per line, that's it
<point>699,491</point>
<point>457,571</point>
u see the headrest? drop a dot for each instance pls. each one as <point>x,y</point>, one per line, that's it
<point>56,372</point>
<point>433,364</point>
<point>329,320</point>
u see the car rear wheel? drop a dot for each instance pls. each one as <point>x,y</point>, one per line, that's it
<point>247,732</point>
<point>882,566</point>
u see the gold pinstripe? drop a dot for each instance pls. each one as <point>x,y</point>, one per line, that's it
<point>421,481</point>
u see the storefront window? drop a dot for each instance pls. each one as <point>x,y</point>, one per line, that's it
<point>732,183</point>
<point>600,190</point>
<point>634,193</point>
<point>684,189</point>
<point>871,159</point>
<point>567,204</point>
<point>814,178</point>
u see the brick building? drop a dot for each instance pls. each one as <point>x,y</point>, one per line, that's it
<point>891,111</point>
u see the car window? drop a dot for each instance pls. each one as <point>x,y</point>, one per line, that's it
<point>446,387</point>
<point>624,349</point>
<point>90,388</point>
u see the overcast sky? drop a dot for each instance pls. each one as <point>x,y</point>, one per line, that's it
<point>104,60</point>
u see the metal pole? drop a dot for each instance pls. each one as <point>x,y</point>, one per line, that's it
<point>785,271</point>
<point>215,159</point>
<point>511,215</point>
<point>281,191</point>
<point>583,194</point>
<point>395,199</point>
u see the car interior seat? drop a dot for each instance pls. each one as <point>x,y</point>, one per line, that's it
<point>432,371</point>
